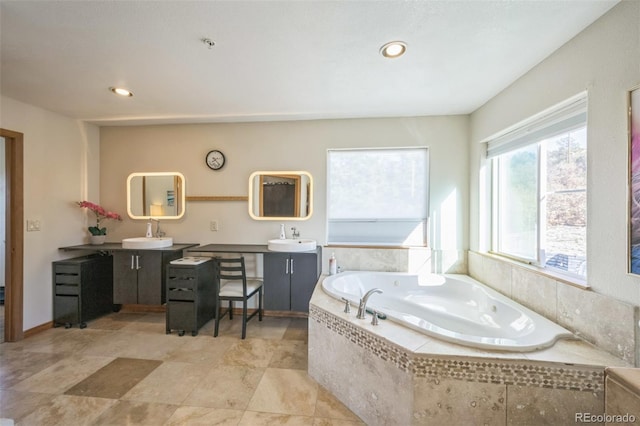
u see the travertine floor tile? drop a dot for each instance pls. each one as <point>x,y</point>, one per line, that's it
<point>67,410</point>
<point>16,405</point>
<point>226,386</point>
<point>285,391</point>
<point>298,329</point>
<point>135,413</point>
<point>200,416</point>
<point>63,374</point>
<point>252,418</point>
<point>319,421</point>
<point>114,379</point>
<point>170,383</point>
<point>250,353</point>
<point>202,349</point>
<point>16,366</point>
<point>134,344</point>
<point>290,354</point>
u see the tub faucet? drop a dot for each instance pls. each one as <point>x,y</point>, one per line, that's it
<point>363,302</point>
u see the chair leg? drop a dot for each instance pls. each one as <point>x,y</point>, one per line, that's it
<point>230,310</point>
<point>244,318</point>
<point>260,304</point>
<point>217,319</point>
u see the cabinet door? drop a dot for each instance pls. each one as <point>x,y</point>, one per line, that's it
<point>125,278</point>
<point>303,280</point>
<point>150,277</point>
<point>276,282</point>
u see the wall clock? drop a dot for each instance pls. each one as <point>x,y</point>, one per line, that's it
<point>215,159</point>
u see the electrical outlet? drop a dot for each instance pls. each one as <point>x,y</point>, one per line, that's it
<point>213,225</point>
<point>33,225</point>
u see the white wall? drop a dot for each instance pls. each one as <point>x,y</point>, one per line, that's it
<point>295,145</point>
<point>604,60</point>
<point>61,166</point>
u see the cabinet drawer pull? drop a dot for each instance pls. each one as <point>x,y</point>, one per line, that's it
<point>132,267</point>
<point>137,262</point>
<point>291,266</point>
<point>286,269</point>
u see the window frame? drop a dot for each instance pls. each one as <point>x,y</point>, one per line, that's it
<point>423,221</point>
<point>574,112</point>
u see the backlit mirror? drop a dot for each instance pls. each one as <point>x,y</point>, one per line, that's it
<point>156,195</point>
<point>280,195</point>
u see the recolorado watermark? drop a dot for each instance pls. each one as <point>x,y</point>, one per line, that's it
<point>604,418</point>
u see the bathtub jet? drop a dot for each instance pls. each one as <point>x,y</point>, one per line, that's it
<point>455,308</point>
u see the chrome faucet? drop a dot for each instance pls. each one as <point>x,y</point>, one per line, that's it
<point>362,308</point>
<point>295,233</point>
<point>158,233</point>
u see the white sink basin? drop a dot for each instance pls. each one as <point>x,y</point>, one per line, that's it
<point>291,245</point>
<point>147,242</point>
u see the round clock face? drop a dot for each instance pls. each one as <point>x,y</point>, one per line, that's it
<point>215,159</point>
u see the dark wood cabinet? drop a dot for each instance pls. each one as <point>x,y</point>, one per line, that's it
<point>82,289</point>
<point>138,275</point>
<point>190,294</point>
<point>289,279</point>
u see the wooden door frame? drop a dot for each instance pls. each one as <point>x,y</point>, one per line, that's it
<point>14,250</point>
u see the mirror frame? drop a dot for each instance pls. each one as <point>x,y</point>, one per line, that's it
<point>254,175</point>
<point>181,195</point>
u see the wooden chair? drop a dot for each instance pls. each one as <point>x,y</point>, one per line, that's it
<point>236,288</point>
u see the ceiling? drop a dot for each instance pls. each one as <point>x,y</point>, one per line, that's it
<point>274,60</point>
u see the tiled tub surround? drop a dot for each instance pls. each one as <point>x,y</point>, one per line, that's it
<point>622,393</point>
<point>418,260</point>
<point>584,312</point>
<point>389,374</point>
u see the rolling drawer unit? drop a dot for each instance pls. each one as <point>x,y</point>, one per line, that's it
<point>82,289</point>
<point>190,294</point>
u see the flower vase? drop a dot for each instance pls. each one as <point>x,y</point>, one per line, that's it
<point>97,239</point>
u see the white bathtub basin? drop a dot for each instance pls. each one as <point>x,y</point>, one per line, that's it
<point>455,308</point>
<point>147,242</point>
<point>291,245</point>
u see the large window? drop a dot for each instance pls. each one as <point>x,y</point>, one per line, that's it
<point>539,212</point>
<point>377,196</point>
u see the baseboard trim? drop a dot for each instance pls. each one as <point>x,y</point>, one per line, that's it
<point>38,329</point>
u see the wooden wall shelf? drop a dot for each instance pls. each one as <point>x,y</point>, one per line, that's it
<point>217,198</point>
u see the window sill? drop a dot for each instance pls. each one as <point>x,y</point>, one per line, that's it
<point>374,246</point>
<point>556,275</point>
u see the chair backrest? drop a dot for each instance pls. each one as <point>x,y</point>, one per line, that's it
<point>232,269</point>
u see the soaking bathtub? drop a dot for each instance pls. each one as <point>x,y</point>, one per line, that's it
<point>455,308</point>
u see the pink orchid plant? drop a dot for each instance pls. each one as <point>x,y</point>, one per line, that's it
<point>100,213</point>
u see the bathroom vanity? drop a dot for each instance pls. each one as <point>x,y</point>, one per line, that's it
<point>289,278</point>
<point>138,275</point>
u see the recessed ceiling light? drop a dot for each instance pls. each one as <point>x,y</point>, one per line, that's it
<point>393,49</point>
<point>120,91</point>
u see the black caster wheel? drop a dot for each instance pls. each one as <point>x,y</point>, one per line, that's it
<point>116,308</point>
<point>181,333</point>
<point>194,333</point>
<point>67,325</point>
<point>83,325</point>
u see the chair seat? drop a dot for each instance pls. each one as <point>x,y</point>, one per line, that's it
<point>234,289</point>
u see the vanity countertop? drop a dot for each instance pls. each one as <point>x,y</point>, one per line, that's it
<point>231,248</point>
<point>118,247</point>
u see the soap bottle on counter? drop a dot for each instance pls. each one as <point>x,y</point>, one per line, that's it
<point>333,264</point>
